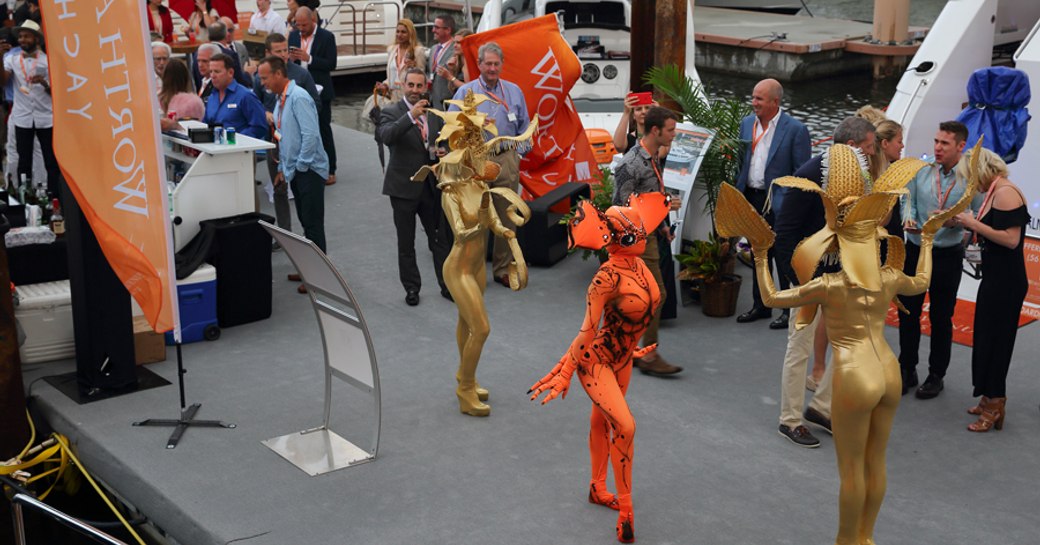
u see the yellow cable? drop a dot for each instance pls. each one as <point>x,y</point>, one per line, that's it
<point>40,458</point>
<point>65,447</point>
<point>32,436</point>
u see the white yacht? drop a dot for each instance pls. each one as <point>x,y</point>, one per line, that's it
<point>962,40</point>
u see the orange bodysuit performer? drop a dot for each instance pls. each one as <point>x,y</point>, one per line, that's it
<point>619,306</point>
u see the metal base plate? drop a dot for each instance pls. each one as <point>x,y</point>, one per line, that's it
<point>318,452</point>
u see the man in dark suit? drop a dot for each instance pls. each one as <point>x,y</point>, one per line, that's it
<point>436,66</point>
<point>315,49</point>
<point>779,145</point>
<point>218,33</point>
<point>403,128</point>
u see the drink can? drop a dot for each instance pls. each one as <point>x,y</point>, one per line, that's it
<point>229,135</point>
<point>218,135</point>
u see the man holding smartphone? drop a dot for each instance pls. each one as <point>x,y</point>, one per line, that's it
<point>314,48</point>
<point>32,113</point>
<point>403,127</point>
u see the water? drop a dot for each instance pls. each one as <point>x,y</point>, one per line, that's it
<point>820,104</point>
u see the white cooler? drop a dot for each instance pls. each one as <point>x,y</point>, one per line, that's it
<point>44,312</point>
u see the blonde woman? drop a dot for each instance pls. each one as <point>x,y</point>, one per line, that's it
<point>406,53</point>
<point>457,64</point>
<point>1000,230</point>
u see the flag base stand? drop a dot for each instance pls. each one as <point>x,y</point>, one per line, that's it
<point>187,419</point>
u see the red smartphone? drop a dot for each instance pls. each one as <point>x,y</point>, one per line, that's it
<point>643,99</point>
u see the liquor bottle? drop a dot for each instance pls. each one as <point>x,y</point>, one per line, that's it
<point>42,201</point>
<point>48,211</point>
<point>23,191</point>
<point>57,220</point>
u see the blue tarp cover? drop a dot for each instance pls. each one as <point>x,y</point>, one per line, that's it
<point>997,100</point>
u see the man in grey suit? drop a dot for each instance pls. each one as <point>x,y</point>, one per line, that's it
<point>779,145</point>
<point>404,128</point>
<point>436,67</point>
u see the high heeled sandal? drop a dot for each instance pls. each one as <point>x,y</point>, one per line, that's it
<point>992,416</point>
<point>606,500</point>
<point>977,409</point>
<point>626,532</point>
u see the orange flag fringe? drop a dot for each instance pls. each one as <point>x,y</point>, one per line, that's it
<point>539,60</point>
<point>106,139</point>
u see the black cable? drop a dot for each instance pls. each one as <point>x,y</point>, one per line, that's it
<point>806,8</point>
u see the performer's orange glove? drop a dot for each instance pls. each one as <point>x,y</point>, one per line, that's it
<point>557,382</point>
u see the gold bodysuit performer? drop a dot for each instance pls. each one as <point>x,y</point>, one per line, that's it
<point>463,175</point>
<point>867,384</point>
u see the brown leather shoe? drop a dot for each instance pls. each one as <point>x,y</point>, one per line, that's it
<point>295,277</point>
<point>657,367</point>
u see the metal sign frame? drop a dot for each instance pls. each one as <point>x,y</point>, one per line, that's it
<point>349,356</point>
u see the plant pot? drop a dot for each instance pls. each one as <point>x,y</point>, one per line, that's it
<point>719,299</point>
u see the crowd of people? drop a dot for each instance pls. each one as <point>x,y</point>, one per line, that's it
<point>286,96</point>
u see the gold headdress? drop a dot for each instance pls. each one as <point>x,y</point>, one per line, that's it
<point>853,207</point>
<point>464,131</point>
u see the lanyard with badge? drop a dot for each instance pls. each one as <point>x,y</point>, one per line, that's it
<point>501,101</point>
<point>973,250</point>
<point>653,163</point>
<point>756,139</point>
<point>281,112</point>
<point>25,74</point>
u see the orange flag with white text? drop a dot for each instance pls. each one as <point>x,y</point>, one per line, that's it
<point>539,60</point>
<point>106,139</point>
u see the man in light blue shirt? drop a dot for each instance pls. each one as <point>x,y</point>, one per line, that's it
<point>304,165</point>
<point>508,110</point>
<point>935,188</point>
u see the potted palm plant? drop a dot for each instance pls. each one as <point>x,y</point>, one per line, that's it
<point>709,263</point>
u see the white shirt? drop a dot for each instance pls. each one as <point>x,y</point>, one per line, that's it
<point>270,22</point>
<point>760,154</point>
<point>34,109</point>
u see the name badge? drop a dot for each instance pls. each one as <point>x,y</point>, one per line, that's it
<point>512,117</point>
<point>232,106</point>
<point>277,135</point>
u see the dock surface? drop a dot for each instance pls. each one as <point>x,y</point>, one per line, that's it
<point>709,466</point>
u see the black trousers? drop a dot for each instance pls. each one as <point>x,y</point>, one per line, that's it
<point>325,128</point>
<point>942,299</point>
<point>757,198</point>
<point>428,208</point>
<point>309,191</point>
<point>23,138</point>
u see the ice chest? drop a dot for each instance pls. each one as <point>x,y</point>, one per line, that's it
<point>197,301</point>
<point>45,313</point>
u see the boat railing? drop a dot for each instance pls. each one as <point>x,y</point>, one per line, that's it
<point>347,21</point>
<point>1025,43</point>
<point>19,500</point>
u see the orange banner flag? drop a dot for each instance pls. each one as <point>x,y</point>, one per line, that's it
<point>106,139</point>
<point>541,62</point>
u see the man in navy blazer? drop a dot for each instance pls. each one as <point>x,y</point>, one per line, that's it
<point>779,145</point>
<point>314,48</point>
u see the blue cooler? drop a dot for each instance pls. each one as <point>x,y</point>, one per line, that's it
<point>197,300</point>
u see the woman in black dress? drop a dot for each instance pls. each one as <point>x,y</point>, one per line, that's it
<point>1000,230</point>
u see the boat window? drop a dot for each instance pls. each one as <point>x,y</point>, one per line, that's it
<point>590,14</point>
